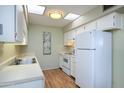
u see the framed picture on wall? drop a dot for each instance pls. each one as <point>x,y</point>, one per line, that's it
<point>46,43</point>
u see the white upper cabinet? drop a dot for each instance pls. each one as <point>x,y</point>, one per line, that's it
<point>80,30</point>
<point>65,38</point>
<point>90,26</point>
<point>87,27</point>
<point>19,24</point>
<point>69,36</point>
<point>7,23</point>
<point>26,13</point>
<point>13,26</point>
<point>109,22</point>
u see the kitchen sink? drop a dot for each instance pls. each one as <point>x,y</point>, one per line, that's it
<point>25,60</point>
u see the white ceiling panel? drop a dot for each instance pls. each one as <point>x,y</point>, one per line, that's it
<point>45,20</point>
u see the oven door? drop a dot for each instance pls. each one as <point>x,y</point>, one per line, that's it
<point>66,66</point>
<point>66,63</point>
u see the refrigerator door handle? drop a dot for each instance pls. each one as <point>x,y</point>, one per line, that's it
<point>85,49</point>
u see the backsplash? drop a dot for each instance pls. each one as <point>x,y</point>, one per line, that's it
<point>68,49</point>
<point>8,51</point>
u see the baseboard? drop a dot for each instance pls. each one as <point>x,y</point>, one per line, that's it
<point>72,77</point>
<point>50,68</point>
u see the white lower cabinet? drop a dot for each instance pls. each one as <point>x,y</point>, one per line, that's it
<point>60,60</point>
<point>66,70</point>
<point>73,66</point>
<point>32,84</point>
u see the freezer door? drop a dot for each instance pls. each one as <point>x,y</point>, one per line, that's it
<point>85,40</point>
<point>84,68</point>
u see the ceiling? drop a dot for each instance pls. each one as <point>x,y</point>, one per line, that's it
<point>45,20</point>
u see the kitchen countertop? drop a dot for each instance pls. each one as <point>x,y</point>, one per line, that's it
<point>15,74</point>
<point>61,53</point>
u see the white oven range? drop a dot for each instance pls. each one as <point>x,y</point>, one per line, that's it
<point>66,66</point>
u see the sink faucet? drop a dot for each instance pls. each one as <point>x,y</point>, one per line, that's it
<point>17,61</point>
<point>33,60</point>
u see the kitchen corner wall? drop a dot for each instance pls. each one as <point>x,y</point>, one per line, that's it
<point>8,51</point>
<point>35,45</point>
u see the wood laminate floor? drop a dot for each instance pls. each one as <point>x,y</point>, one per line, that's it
<point>56,78</point>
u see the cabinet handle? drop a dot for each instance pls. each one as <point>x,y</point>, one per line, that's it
<point>113,24</point>
<point>113,16</point>
<point>73,38</point>
<point>15,34</point>
<point>1,29</point>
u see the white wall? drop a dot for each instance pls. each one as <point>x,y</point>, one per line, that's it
<point>118,57</point>
<point>35,45</point>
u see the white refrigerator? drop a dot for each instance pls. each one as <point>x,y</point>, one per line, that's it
<point>94,59</point>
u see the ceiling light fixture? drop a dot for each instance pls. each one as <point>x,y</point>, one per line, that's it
<point>71,16</point>
<point>55,14</point>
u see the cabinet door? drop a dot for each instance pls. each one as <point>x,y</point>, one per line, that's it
<point>109,22</point>
<point>90,26</point>
<point>25,32</point>
<point>68,36</point>
<point>105,23</point>
<point>12,24</point>
<point>60,61</point>
<point>31,84</point>
<point>80,30</point>
<point>71,35</point>
<point>73,67</point>
<point>7,23</point>
<point>25,23</point>
<point>25,13</point>
<point>19,23</point>
<point>65,38</point>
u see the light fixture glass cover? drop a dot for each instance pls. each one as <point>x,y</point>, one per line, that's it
<point>55,14</point>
